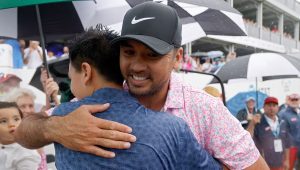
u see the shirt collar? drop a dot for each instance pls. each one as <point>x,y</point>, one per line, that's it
<point>175,96</point>
<point>271,121</point>
<point>13,145</point>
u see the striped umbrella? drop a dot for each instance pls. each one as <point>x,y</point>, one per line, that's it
<point>199,17</point>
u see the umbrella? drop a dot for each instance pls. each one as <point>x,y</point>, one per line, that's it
<point>58,20</point>
<point>199,17</point>
<point>238,101</point>
<point>58,69</point>
<point>264,66</point>
<point>49,20</point>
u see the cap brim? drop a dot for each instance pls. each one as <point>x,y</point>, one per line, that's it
<point>157,45</point>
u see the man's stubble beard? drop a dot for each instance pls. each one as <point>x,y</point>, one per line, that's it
<point>151,92</point>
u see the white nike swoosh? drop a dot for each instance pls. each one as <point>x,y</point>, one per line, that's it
<point>135,21</point>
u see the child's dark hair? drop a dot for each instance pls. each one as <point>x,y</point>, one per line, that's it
<point>5,105</point>
<point>93,46</point>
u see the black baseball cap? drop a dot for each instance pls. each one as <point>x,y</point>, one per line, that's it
<point>154,24</point>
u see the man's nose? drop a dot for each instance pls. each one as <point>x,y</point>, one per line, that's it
<point>138,64</point>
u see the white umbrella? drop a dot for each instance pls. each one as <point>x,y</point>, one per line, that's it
<point>264,66</point>
<point>199,17</point>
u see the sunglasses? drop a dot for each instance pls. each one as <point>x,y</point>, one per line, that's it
<point>294,99</point>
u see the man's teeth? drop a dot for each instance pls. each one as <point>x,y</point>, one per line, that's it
<point>139,78</point>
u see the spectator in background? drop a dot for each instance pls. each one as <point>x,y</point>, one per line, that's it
<point>50,56</point>
<point>222,62</point>
<point>17,55</point>
<point>8,82</point>
<point>22,44</point>
<point>284,105</point>
<point>230,56</point>
<point>274,28</point>
<point>248,115</point>
<point>66,51</point>
<point>12,155</point>
<point>207,66</point>
<point>6,54</point>
<point>33,55</point>
<point>24,98</point>
<point>271,136</point>
<point>291,116</point>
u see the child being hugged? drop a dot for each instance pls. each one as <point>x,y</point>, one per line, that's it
<point>12,155</point>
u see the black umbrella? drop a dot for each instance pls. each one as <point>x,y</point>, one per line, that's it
<point>47,21</point>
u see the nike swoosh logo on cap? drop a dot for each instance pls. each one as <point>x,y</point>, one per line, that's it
<point>135,21</point>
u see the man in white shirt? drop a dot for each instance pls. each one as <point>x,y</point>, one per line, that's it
<point>33,55</point>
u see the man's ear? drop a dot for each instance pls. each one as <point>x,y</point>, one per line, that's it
<point>178,58</point>
<point>86,70</point>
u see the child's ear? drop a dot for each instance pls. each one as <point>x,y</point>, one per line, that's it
<point>86,70</point>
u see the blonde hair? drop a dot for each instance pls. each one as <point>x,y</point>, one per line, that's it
<point>212,91</point>
<point>15,94</point>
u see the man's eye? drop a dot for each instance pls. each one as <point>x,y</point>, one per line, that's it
<point>128,52</point>
<point>153,55</point>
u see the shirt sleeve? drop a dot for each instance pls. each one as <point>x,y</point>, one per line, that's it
<point>26,52</point>
<point>30,160</point>
<point>225,138</point>
<point>192,154</point>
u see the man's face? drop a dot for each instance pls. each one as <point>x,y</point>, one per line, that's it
<point>294,102</point>
<point>10,84</point>
<point>26,105</point>
<point>251,104</point>
<point>77,86</point>
<point>10,119</point>
<point>145,72</point>
<point>271,109</point>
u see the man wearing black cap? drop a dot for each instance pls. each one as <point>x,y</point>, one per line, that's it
<point>149,51</point>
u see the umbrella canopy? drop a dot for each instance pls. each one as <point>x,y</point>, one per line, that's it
<point>58,20</point>
<point>199,17</point>
<point>264,66</point>
<point>11,4</point>
<point>238,101</point>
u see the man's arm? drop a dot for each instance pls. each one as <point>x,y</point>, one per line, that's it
<point>78,131</point>
<point>259,164</point>
<point>227,141</point>
<point>286,162</point>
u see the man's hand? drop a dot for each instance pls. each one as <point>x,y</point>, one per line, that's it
<point>83,132</point>
<point>256,119</point>
<point>51,88</point>
<point>286,165</point>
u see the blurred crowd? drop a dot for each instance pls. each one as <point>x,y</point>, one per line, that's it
<point>207,63</point>
<point>272,28</point>
<point>28,54</point>
<point>275,129</point>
